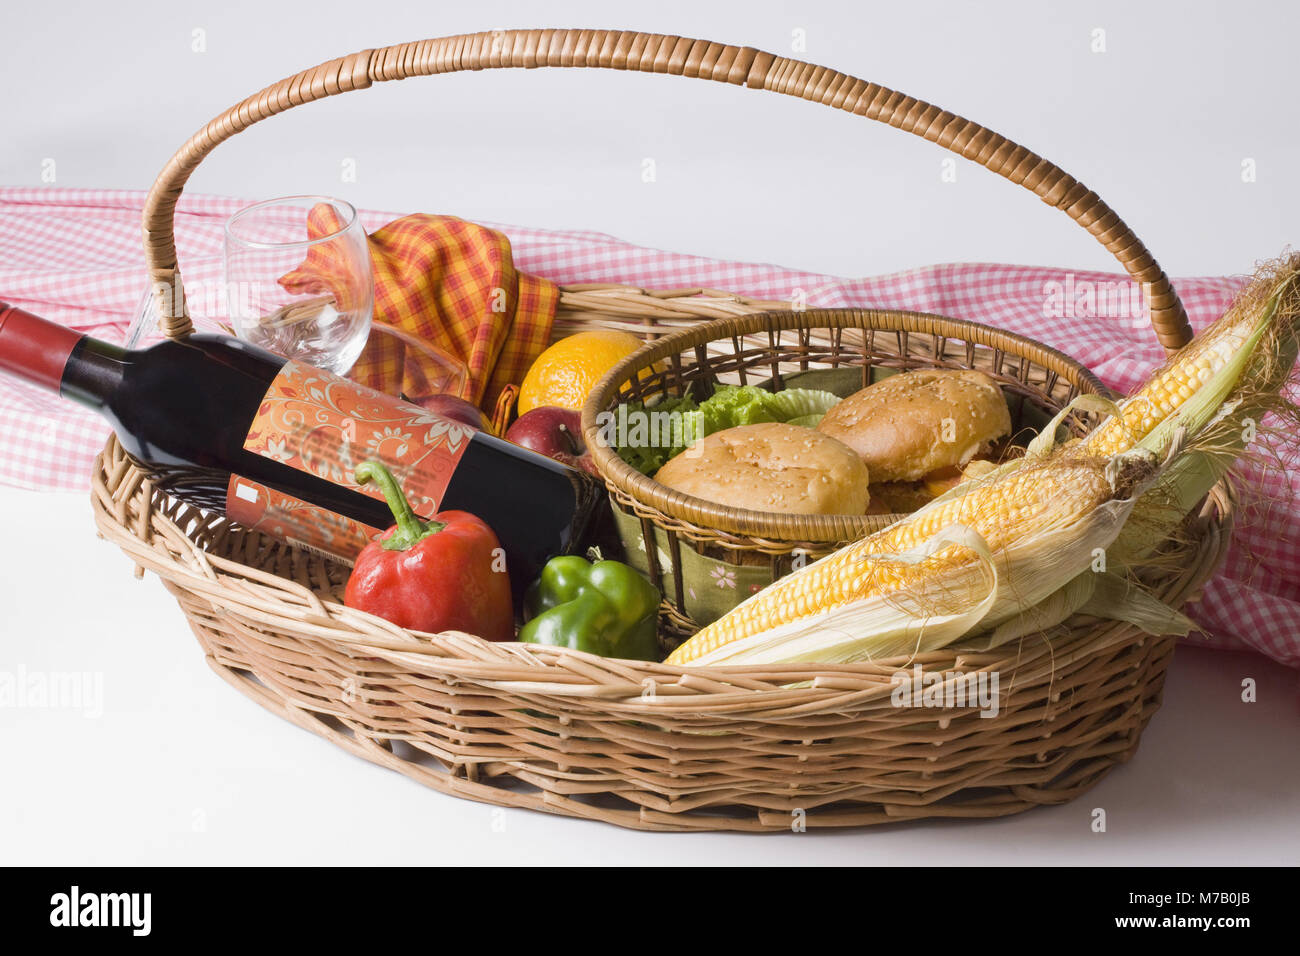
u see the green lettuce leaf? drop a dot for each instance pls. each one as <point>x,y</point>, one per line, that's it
<point>800,403</point>
<point>729,406</point>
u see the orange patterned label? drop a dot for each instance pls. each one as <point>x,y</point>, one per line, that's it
<point>325,425</point>
<point>296,522</point>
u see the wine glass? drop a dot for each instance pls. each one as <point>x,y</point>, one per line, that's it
<point>298,279</point>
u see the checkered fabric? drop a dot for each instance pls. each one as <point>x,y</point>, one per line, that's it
<point>450,283</point>
<point>74,256</point>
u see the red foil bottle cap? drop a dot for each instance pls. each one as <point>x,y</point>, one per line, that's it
<point>34,349</point>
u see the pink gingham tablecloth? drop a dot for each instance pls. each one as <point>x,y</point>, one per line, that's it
<point>75,256</point>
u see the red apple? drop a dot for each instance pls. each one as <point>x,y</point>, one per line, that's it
<point>457,409</point>
<point>553,432</point>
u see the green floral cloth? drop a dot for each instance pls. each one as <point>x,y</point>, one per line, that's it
<point>711,587</point>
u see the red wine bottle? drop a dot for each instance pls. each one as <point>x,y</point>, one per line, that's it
<point>229,426</point>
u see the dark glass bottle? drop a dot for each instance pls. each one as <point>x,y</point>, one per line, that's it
<point>184,408</point>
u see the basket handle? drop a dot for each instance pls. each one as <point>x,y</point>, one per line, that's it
<point>652,53</point>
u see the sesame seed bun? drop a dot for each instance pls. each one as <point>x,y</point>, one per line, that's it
<point>771,467</point>
<point>897,425</point>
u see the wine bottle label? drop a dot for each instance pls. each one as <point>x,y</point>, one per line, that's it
<point>325,425</point>
<point>295,521</point>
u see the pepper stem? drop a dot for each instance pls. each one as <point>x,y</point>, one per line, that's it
<point>410,529</point>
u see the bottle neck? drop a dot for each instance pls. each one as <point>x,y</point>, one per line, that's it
<point>58,358</point>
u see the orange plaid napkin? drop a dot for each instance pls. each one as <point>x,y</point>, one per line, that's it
<point>453,284</point>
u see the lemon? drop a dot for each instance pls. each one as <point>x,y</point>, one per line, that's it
<point>565,373</point>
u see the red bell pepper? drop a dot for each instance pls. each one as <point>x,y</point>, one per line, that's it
<point>440,575</point>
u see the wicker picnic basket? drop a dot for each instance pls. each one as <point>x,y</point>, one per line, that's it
<point>648,745</point>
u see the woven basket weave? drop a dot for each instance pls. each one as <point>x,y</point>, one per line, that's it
<point>639,744</point>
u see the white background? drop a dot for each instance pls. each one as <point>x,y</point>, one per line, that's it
<point>1158,125</point>
<point>180,768</point>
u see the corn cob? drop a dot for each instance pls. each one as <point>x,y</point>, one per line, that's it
<point>1174,383</point>
<point>1166,390</point>
<point>1214,426</point>
<point>1020,518</point>
<point>1201,399</point>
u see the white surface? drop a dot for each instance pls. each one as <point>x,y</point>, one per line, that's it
<point>1158,125</point>
<point>181,768</point>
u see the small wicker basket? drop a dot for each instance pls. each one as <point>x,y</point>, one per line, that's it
<point>639,744</point>
<point>708,557</point>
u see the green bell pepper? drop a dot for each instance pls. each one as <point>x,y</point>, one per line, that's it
<point>606,608</point>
